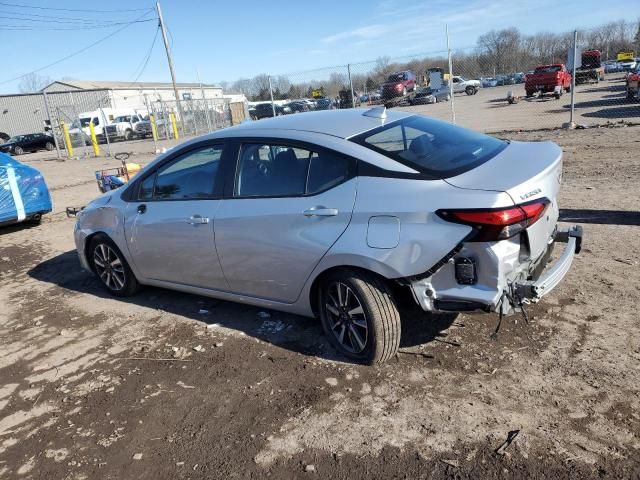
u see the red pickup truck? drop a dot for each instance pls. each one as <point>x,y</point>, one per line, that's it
<point>548,79</point>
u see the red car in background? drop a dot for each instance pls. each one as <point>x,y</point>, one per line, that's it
<point>399,84</point>
<point>548,79</point>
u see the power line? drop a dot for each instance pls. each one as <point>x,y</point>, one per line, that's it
<point>69,28</point>
<point>148,56</point>
<point>72,9</point>
<point>77,52</point>
<point>30,16</point>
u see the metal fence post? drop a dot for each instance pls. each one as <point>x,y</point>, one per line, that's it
<point>53,129</point>
<point>105,119</point>
<point>573,78</point>
<point>76,114</point>
<point>273,107</point>
<point>453,110</point>
<point>151,123</point>
<point>353,100</point>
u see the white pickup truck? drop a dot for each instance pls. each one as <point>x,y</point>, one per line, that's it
<point>470,87</point>
<point>123,127</point>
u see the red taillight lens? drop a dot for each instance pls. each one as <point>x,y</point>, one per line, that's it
<point>497,223</point>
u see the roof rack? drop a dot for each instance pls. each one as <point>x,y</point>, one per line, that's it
<point>376,112</point>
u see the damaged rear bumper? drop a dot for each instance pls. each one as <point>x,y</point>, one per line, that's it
<point>534,290</point>
<point>506,285</point>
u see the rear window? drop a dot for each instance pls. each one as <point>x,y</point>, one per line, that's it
<point>435,148</point>
<point>549,69</point>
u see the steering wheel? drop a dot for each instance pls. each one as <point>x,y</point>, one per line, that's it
<point>264,168</point>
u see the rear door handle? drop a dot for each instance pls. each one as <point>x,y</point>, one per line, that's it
<point>197,220</point>
<point>320,212</point>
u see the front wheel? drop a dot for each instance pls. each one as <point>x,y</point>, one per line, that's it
<point>111,267</point>
<point>49,146</point>
<point>470,90</point>
<point>359,316</point>
<point>128,135</point>
<point>18,151</point>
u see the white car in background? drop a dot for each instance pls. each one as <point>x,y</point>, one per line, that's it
<point>470,87</point>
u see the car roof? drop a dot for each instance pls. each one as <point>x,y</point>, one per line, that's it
<point>338,123</point>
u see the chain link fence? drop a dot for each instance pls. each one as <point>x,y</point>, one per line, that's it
<point>67,116</point>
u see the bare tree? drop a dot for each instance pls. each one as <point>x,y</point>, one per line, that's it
<point>32,82</point>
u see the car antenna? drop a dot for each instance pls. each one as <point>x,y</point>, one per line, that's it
<point>376,112</point>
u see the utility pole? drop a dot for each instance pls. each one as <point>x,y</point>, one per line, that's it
<point>170,60</point>
<point>453,109</point>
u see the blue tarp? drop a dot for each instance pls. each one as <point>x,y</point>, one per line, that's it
<point>23,191</point>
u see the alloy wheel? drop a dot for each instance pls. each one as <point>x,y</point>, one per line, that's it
<point>347,319</point>
<point>109,267</point>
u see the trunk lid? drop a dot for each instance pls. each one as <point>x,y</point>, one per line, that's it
<point>526,171</point>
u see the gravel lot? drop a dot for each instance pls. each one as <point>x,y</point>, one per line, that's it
<point>98,387</point>
<point>488,110</point>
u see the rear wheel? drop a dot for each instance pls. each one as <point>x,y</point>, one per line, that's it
<point>359,316</point>
<point>49,146</point>
<point>128,134</point>
<point>111,267</point>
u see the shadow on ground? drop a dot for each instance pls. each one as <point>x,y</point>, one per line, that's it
<point>602,217</point>
<point>293,332</point>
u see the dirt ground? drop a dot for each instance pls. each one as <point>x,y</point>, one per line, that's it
<point>169,385</point>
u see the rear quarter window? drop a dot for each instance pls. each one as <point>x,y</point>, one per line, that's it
<point>435,148</point>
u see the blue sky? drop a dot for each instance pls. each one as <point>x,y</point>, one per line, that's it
<point>228,40</point>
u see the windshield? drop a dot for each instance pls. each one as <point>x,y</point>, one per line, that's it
<point>549,69</point>
<point>437,149</point>
<point>17,138</point>
<point>396,77</point>
<point>123,118</point>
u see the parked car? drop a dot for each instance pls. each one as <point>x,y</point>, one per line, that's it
<point>626,65</point>
<point>24,196</point>
<point>30,142</point>
<point>398,84</point>
<point>633,84</point>
<point>298,107</point>
<point>429,95</point>
<point>324,103</point>
<point>548,79</point>
<point>505,80</point>
<point>265,110</point>
<point>489,82</point>
<point>143,128</point>
<point>329,214</point>
<point>470,87</point>
<point>611,66</point>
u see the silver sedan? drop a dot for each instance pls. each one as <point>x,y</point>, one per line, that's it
<point>328,214</point>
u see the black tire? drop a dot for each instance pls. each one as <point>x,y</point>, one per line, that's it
<point>128,135</point>
<point>119,282</point>
<point>371,295</point>
<point>49,146</point>
<point>18,150</point>
<point>470,90</point>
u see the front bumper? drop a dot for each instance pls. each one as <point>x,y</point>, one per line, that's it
<point>534,290</point>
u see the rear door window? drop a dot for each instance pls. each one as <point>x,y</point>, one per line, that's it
<point>276,170</point>
<point>435,148</point>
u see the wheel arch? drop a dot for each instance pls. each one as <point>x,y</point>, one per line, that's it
<point>371,266</point>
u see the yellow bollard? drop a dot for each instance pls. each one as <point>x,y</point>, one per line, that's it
<point>67,139</point>
<point>154,128</point>
<point>94,140</point>
<point>174,126</point>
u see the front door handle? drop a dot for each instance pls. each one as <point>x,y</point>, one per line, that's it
<point>320,212</point>
<point>197,220</point>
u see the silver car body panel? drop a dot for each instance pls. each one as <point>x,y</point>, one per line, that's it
<point>266,252</point>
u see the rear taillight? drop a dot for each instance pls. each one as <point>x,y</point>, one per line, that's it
<point>497,223</point>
